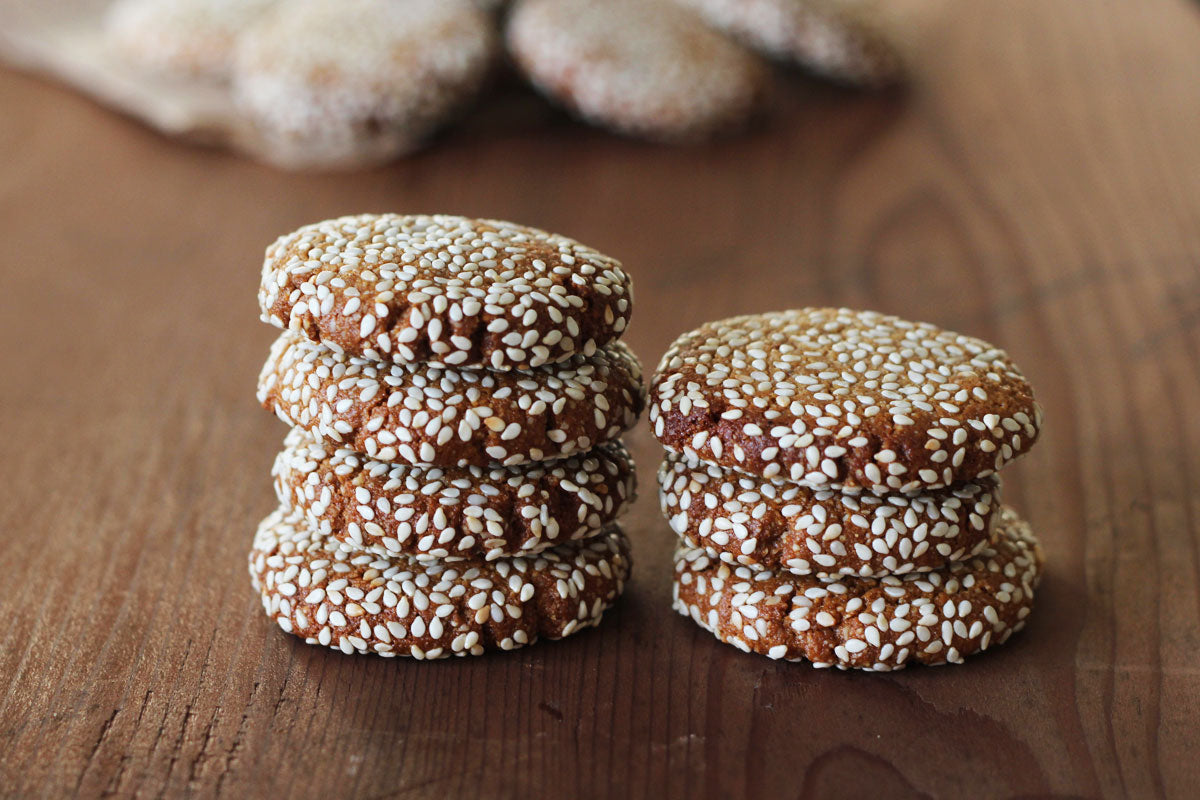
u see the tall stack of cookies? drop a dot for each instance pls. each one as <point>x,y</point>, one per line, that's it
<point>832,476</point>
<point>456,390</point>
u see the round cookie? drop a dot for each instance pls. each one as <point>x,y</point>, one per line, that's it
<point>780,525</point>
<point>358,602</point>
<point>446,290</point>
<point>442,416</point>
<point>833,398</point>
<point>863,623</point>
<point>185,38</point>
<point>452,513</point>
<point>833,38</point>
<point>332,83</point>
<point>641,67</point>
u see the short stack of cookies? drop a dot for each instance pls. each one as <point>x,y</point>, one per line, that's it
<point>456,390</point>
<point>832,476</point>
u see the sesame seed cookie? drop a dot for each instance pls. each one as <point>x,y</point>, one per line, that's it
<point>833,38</point>
<point>780,525</point>
<point>641,67</point>
<point>335,82</point>
<point>839,399</point>
<point>863,623</point>
<point>449,513</point>
<point>445,416</point>
<point>183,38</point>
<point>446,290</point>
<point>363,603</point>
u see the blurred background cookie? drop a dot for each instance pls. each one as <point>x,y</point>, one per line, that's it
<point>330,82</point>
<point>837,39</point>
<point>186,38</point>
<point>640,67</point>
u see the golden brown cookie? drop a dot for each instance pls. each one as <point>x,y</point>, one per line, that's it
<point>641,67</point>
<point>314,588</point>
<point>863,623</point>
<point>834,38</point>
<point>331,83</point>
<point>445,290</point>
<point>780,525</point>
<point>834,398</point>
<point>444,416</point>
<point>452,513</point>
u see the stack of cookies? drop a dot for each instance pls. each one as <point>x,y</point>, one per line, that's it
<point>832,476</point>
<point>456,390</point>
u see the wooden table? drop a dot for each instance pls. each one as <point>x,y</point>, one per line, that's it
<point>1039,186</point>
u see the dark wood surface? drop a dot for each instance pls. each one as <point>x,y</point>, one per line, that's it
<point>1038,185</point>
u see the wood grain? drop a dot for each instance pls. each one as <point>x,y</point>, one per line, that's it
<point>1038,185</point>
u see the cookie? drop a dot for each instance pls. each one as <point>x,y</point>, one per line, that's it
<point>330,83</point>
<point>445,416</point>
<point>446,290</point>
<point>640,67</point>
<point>362,603</point>
<point>183,38</point>
<point>864,623</point>
<point>833,398</point>
<point>833,38</point>
<point>452,513</point>
<point>780,525</point>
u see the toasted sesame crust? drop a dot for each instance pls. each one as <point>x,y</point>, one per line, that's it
<point>358,602</point>
<point>441,416</point>
<point>863,623</point>
<point>778,525</point>
<point>452,514</point>
<point>825,36</point>
<point>445,290</point>
<point>642,68</point>
<point>835,398</point>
